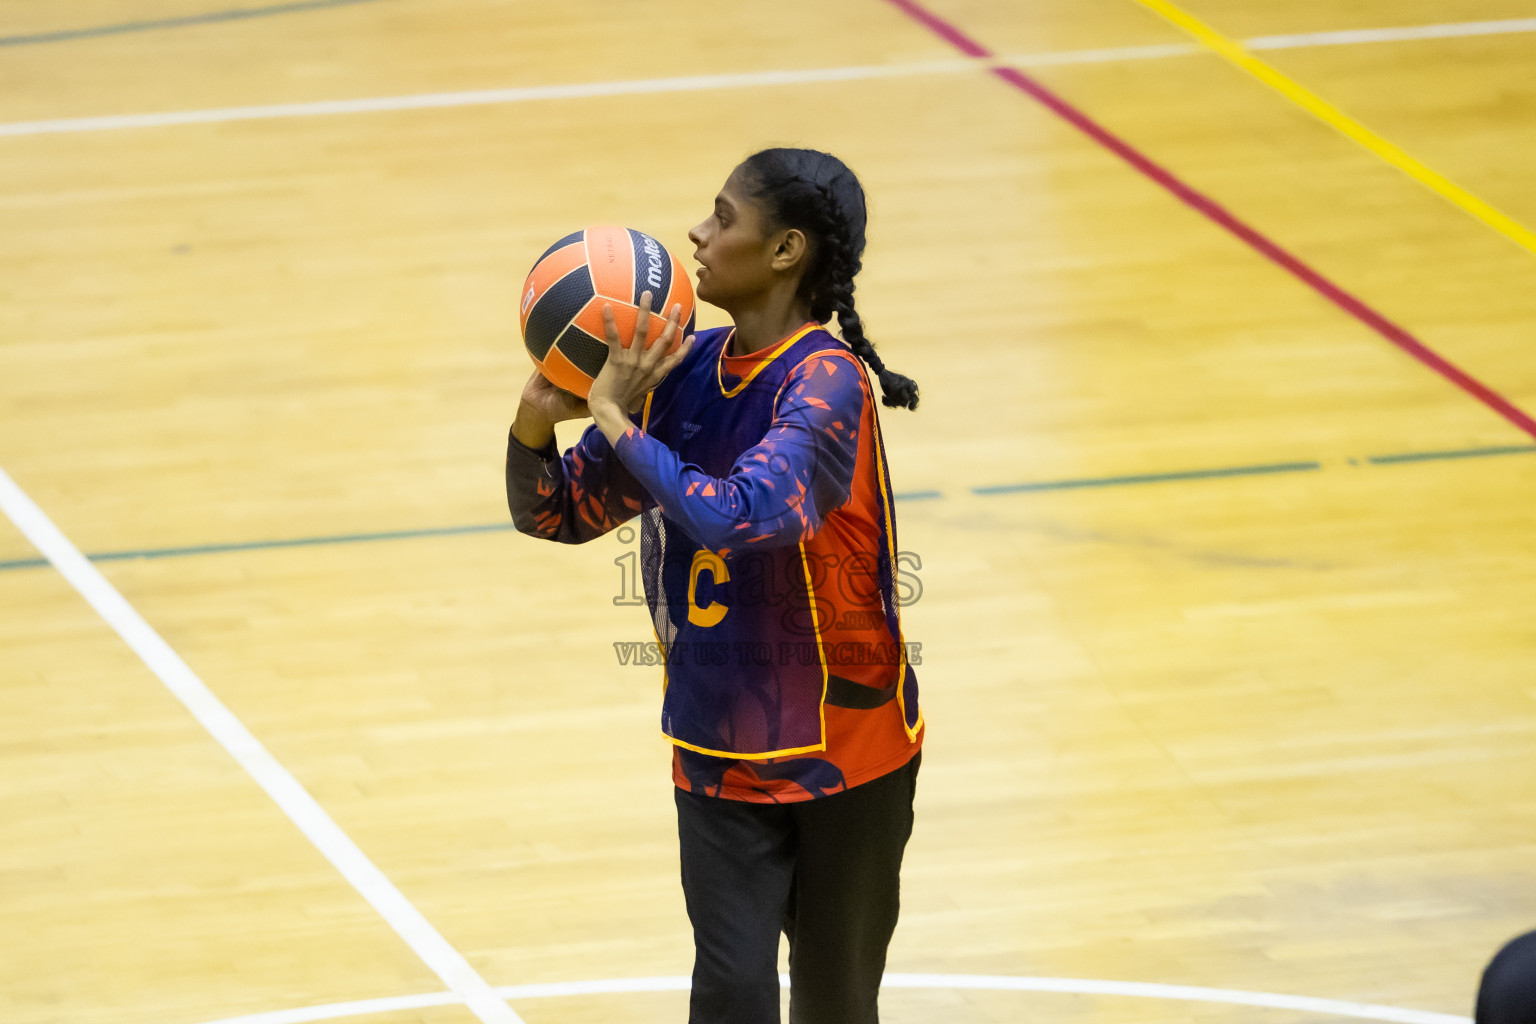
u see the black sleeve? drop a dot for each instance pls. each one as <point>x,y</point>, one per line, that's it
<point>571,498</point>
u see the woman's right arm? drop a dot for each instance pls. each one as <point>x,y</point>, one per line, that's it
<point>571,498</point>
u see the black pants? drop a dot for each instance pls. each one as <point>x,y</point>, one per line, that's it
<point>825,872</point>
<point>1507,994</point>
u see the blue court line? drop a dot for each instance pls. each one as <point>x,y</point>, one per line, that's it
<point>1021,488</point>
<point>239,14</point>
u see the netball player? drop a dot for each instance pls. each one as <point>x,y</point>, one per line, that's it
<point>768,548</point>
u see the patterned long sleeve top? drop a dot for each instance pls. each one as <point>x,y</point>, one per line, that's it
<point>778,492</point>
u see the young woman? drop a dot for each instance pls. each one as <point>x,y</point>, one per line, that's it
<point>768,548</point>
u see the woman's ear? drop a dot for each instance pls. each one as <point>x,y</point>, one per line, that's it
<point>791,250</point>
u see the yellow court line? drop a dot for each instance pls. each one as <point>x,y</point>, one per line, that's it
<point>1329,114</point>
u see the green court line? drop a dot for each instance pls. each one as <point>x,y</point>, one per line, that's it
<point>1464,453</point>
<point>1020,488</point>
<point>1148,478</point>
<point>124,28</point>
<point>259,545</point>
<point>24,563</point>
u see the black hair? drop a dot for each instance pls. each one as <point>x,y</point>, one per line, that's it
<point>817,194</point>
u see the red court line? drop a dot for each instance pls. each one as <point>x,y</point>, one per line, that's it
<point>1214,211</point>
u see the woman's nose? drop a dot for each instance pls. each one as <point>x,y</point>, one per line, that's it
<point>696,235</point>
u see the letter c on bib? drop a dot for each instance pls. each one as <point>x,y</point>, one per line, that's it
<point>706,559</point>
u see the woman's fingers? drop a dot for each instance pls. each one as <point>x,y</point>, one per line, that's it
<point>642,326</point>
<point>665,359</point>
<point>642,330</point>
<point>611,329</point>
<point>642,322</point>
<point>668,334</point>
<point>672,360</point>
<point>640,365</point>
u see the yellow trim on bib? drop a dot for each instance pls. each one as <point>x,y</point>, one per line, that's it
<point>821,707</point>
<point>770,357</point>
<point>732,755</point>
<point>821,651</point>
<point>890,538</point>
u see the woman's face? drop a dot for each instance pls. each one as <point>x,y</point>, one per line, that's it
<point>734,248</point>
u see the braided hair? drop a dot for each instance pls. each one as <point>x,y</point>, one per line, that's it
<point>816,193</point>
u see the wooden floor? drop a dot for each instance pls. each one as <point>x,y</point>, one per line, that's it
<point>1228,643</point>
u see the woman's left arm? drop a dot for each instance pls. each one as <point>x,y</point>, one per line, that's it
<point>780,490</point>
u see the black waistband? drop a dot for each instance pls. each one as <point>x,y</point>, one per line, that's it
<point>845,693</point>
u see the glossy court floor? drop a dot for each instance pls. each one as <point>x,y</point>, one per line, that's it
<point>1223,487</point>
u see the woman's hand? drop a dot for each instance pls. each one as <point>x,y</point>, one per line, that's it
<point>543,406</point>
<point>632,371</point>
<point>553,403</point>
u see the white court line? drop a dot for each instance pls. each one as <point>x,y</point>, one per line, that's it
<point>1111,55</point>
<point>696,83</point>
<point>482,97</point>
<point>356,1008</point>
<point>977,982</point>
<point>1453,30</point>
<point>1183,993</point>
<point>446,962</point>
